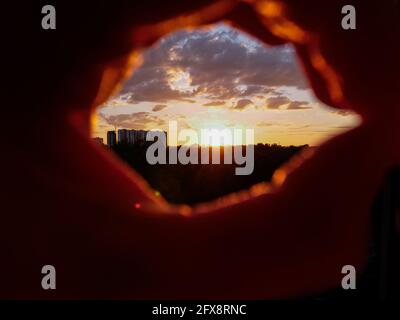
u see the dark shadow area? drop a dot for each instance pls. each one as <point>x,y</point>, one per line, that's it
<point>194,183</point>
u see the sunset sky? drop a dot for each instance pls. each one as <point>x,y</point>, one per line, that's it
<point>220,78</point>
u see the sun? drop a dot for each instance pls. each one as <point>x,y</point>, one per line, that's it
<point>219,132</point>
<point>218,138</point>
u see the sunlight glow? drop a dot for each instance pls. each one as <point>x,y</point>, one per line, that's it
<point>179,80</point>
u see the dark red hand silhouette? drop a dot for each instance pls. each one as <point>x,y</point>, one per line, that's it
<point>71,204</point>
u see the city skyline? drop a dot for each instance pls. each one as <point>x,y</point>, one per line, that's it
<point>123,136</point>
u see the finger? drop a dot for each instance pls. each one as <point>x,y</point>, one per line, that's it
<point>146,35</point>
<point>245,18</point>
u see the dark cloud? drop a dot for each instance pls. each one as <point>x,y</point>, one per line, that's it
<point>187,100</point>
<point>298,105</point>
<point>138,120</point>
<point>243,104</point>
<point>276,102</point>
<point>151,84</point>
<point>342,112</point>
<point>159,107</point>
<point>221,63</point>
<point>214,103</point>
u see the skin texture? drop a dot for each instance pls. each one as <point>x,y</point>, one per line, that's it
<point>69,203</point>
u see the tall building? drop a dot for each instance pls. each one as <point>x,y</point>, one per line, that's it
<point>131,136</point>
<point>122,136</point>
<point>141,136</point>
<point>111,138</point>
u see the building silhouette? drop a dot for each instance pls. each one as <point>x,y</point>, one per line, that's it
<point>111,138</point>
<point>122,136</point>
<point>129,137</point>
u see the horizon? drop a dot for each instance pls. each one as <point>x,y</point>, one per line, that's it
<point>222,145</point>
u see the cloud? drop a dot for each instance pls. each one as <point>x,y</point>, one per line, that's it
<point>218,64</point>
<point>138,120</point>
<point>243,104</point>
<point>187,100</point>
<point>342,112</point>
<point>277,101</point>
<point>151,84</point>
<point>298,105</point>
<point>214,103</point>
<point>159,107</point>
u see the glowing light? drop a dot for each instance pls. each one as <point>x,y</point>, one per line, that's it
<point>185,210</point>
<point>217,137</point>
<point>333,80</point>
<point>279,176</point>
<point>274,14</point>
<point>179,80</point>
<point>138,205</point>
